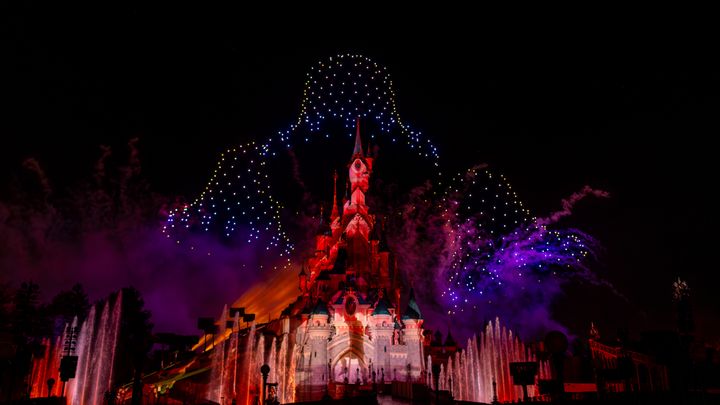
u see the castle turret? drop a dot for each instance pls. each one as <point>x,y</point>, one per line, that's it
<point>319,330</point>
<point>356,220</point>
<point>412,312</point>
<point>323,236</point>
<point>413,336</point>
<point>449,341</point>
<point>382,331</point>
<point>320,313</point>
<point>450,346</point>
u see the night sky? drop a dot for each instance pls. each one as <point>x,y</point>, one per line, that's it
<point>635,116</point>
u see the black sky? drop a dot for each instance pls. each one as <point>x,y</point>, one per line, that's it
<point>633,114</point>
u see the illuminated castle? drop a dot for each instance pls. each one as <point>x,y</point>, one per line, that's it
<point>350,329</point>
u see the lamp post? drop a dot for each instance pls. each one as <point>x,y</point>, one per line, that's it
<point>264,370</point>
<point>495,397</point>
<point>50,385</point>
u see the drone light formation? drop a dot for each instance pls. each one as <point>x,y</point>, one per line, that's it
<point>489,241</point>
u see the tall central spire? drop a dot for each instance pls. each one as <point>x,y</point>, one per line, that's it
<point>358,151</point>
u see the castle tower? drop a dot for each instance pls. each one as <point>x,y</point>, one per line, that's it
<point>413,336</point>
<point>319,333</point>
<point>349,329</point>
<point>382,331</point>
<point>356,220</point>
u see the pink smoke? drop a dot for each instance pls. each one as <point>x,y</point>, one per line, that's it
<point>104,233</point>
<point>429,237</point>
<point>569,203</point>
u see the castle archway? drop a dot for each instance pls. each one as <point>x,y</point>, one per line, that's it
<point>348,367</point>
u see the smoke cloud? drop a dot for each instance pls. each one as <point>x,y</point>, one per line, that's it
<point>466,274</point>
<point>105,233</point>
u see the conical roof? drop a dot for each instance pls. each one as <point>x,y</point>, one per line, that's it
<point>323,226</point>
<point>449,341</point>
<point>381,308</point>
<point>340,262</point>
<point>320,308</point>
<point>412,311</point>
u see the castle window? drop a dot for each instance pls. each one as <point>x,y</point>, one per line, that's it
<point>385,349</point>
<point>315,354</point>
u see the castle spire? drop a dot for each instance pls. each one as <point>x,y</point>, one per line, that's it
<point>302,280</point>
<point>594,334</point>
<point>335,211</point>
<point>412,311</point>
<point>323,227</point>
<point>449,341</point>
<point>358,151</point>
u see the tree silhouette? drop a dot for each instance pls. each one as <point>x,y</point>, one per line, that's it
<point>66,305</point>
<point>25,314</point>
<point>136,340</point>
<point>27,324</point>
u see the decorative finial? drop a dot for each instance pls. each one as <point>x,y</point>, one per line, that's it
<point>358,151</point>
